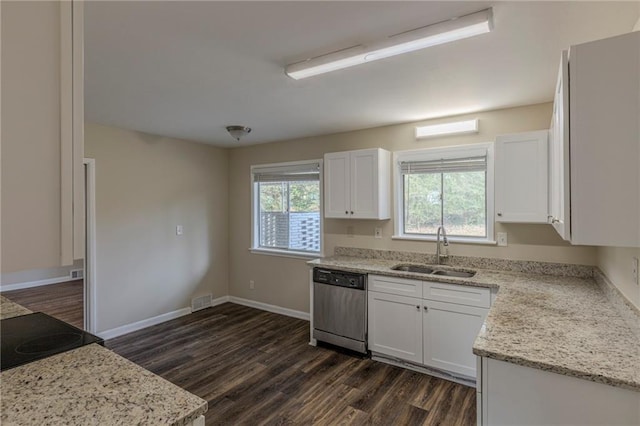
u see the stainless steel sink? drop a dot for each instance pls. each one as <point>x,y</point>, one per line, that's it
<point>413,268</point>
<point>457,274</point>
<point>431,270</point>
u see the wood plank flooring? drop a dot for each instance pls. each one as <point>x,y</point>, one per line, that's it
<point>64,301</point>
<point>256,367</point>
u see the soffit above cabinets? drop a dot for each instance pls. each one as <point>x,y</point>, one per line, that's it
<point>188,69</point>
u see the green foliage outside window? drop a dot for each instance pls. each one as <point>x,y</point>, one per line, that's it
<point>303,196</point>
<point>455,200</point>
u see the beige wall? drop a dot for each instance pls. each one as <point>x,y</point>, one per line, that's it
<point>145,186</point>
<point>284,282</point>
<point>31,192</point>
<point>616,264</point>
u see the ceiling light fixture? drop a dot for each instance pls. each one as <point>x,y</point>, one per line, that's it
<point>454,128</point>
<point>237,132</point>
<point>420,38</point>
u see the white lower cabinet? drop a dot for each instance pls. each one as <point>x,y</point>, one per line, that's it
<point>395,326</point>
<point>433,333</point>
<point>449,331</point>
<point>516,395</point>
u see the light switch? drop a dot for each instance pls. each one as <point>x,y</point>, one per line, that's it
<point>179,230</point>
<point>377,232</point>
<point>502,239</point>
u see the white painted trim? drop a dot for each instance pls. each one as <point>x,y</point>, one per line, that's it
<point>457,151</point>
<point>66,134</point>
<point>38,283</point>
<point>90,262</point>
<point>139,325</point>
<point>270,308</point>
<point>219,301</point>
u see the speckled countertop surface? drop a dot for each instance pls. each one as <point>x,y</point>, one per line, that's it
<point>8,309</point>
<point>561,324</point>
<point>90,385</point>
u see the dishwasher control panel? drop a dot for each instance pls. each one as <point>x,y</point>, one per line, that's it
<point>340,278</point>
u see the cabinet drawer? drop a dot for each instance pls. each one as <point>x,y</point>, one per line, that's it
<point>393,285</point>
<point>460,294</point>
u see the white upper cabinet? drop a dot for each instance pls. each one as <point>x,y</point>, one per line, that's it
<point>603,144</point>
<point>559,179</point>
<point>357,184</point>
<point>522,177</point>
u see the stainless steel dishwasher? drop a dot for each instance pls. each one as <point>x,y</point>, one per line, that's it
<point>340,308</point>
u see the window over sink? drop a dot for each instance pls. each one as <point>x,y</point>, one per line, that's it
<point>286,208</point>
<point>450,187</point>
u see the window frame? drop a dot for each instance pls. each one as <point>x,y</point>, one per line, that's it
<point>448,152</point>
<point>255,214</point>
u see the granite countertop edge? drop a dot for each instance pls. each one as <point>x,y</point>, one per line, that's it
<point>112,378</point>
<point>501,280</point>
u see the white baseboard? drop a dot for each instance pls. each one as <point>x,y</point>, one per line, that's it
<point>139,325</point>
<point>39,283</point>
<point>270,308</point>
<point>219,301</point>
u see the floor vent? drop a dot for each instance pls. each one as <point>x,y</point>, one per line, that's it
<point>76,274</point>
<point>201,302</point>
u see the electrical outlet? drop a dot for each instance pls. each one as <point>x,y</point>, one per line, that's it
<point>634,270</point>
<point>178,229</point>
<point>377,232</point>
<point>252,285</point>
<point>502,239</point>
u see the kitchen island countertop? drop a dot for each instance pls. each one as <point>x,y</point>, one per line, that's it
<point>90,385</point>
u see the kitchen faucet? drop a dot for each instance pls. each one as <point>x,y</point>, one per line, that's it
<point>445,242</point>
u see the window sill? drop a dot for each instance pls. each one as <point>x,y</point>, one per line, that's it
<point>458,240</point>
<point>286,253</point>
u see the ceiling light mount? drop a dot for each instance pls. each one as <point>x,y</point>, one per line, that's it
<point>431,35</point>
<point>237,132</point>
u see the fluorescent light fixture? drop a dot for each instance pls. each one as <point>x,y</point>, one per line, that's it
<point>420,38</point>
<point>454,128</point>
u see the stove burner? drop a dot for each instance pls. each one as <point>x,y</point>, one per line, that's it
<point>45,344</point>
<point>30,337</point>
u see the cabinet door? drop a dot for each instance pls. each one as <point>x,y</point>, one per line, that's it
<point>449,333</point>
<point>336,185</point>
<point>395,326</point>
<point>559,155</point>
<point>364,184</point>
<point>604,77</point>
<point>522,177</point>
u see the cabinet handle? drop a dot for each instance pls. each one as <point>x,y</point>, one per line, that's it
<point>554,220</point>
<point>418,307</point>
<point>500,214</point>
<point>346,212</point>
<point>351,212</point>
<point>426,309</point>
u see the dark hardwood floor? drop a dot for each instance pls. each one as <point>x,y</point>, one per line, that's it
<point>256,367</point>
<point>64,301</point>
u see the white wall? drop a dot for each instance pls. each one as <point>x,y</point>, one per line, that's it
<point>145,186</point>
<point>284,282</point>
<point>615,262</point>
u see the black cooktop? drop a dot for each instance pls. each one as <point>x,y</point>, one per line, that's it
<point>31,337</point>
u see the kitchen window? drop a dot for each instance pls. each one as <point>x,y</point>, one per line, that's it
<point>450,187</point>
<point>287,201</point>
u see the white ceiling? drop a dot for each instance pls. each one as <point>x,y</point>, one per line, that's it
<point>188,69</point>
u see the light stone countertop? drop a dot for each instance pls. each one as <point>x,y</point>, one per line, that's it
<point>8,309</point>
<point>561,324</point>
<point>90,385</point>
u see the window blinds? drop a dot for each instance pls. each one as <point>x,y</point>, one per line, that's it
<point>446,165</point>
<point>287,173</point>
